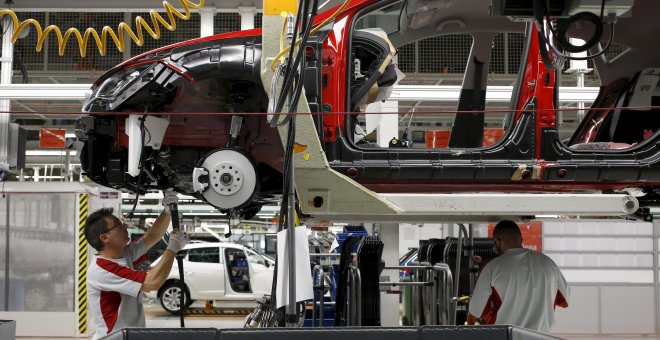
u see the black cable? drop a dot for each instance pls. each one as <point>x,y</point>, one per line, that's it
<point>289,66</point>
<point>5,29</point>
<point>286,170</point>
<point>607,47</point>
<point>295,70</point>
<point>146,131</point>
<point>284,205</point>
<point>563,25</point>
<point>303,58</point>
<point>299,61</point>
<point>273,288</point>
<point>560,34</point>
<point>291,76</point>
<point>299,79</point>
<point>288,164</point>
<point>21,66</point>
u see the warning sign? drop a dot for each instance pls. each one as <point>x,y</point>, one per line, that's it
<point>52,138</point>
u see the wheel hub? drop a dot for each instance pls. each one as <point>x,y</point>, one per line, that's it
<point>226,179</point>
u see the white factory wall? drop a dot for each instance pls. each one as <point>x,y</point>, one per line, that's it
<point>612,269</point>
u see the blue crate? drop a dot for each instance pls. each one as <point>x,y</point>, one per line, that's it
<point>350,231</point>
<point>328,317</point>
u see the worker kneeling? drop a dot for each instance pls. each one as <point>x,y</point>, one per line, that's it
<point>520,287</point>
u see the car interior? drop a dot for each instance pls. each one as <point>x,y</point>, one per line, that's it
<point>634,119</point>
<point>238,270</point>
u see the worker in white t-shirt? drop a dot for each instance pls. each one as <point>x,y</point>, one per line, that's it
<point>520,287</point>
<point>114,287</point>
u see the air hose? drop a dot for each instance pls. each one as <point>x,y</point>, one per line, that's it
<point>101,41</point>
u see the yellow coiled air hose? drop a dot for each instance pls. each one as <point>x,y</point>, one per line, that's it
<point>101,41</point>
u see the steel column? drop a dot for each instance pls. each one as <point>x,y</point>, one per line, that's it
<point>5,78</point>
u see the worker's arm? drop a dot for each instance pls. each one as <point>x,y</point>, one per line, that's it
<point>156,232</point>
<point>563,293</point>
<point>158,274</point>
<point>480,296</point>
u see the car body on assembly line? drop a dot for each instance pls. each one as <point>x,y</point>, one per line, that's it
<point>234,160</point>
<point>225,272</point>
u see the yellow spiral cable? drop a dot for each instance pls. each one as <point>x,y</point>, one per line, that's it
<point>101,41</point>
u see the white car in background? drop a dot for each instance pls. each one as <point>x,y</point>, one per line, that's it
<point>219,271</point>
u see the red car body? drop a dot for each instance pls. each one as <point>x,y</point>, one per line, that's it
<point>530,157</point>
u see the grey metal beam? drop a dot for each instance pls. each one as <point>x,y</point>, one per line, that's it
<point>43,91</point>
<point>490,207</point>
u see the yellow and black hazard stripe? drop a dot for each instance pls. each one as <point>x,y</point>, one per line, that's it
<point>83,204</point>
<point>205,311</point>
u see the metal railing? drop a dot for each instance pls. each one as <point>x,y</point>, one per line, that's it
<point>432,287</point>
<point>318,275</point>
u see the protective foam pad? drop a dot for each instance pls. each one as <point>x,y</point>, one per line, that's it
<point>362,333</point>
<point>481,333</point>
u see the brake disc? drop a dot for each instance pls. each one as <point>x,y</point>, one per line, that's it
<point>227,179</point>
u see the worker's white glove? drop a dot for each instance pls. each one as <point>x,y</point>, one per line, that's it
<point>169,197</point>
<point>178,240</point>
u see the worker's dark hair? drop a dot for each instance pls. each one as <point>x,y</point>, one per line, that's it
<point>508,230</point>
<point>97,225</point>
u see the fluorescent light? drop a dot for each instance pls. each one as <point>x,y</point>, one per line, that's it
<point>548,216</point>
<point>49,153</point>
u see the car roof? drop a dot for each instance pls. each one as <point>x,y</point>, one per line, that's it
<point>213,244</point>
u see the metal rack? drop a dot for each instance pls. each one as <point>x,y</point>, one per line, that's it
<point>433,286</point>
